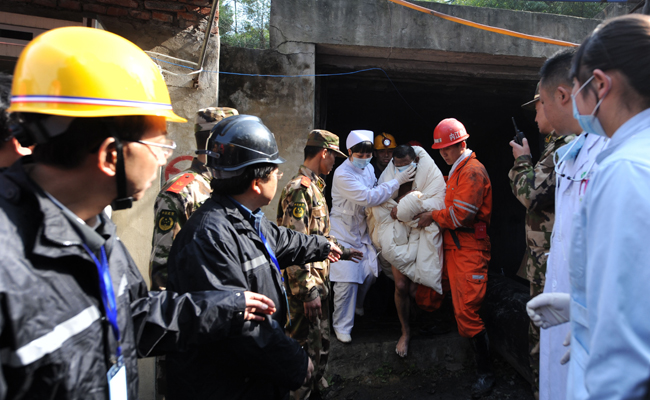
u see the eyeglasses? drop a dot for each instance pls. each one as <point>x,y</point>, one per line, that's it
<point>279,174</point>
<point>167,147</point>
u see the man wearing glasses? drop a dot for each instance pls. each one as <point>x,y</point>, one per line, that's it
<point>75,313</point>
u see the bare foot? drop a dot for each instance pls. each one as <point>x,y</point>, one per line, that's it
<point>402,348</point>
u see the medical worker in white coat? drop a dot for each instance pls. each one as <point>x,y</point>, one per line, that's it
<point>609,261</point>
<point>354,188</point>
<point>574,166</point>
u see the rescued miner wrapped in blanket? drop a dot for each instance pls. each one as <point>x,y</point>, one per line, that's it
<point>415,252</point>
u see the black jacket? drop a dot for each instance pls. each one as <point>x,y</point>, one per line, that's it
<point>54,340</point>
<point>219,249</point>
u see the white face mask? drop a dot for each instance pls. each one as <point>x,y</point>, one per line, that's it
<point>360,162</point>
<point>589,123</point>
<point>404,168</point>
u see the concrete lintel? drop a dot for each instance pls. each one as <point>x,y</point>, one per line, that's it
<point>427,62</point>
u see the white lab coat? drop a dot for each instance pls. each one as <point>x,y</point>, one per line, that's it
<point>568,196</point>
<point>353,189</point>
<point>610,271</point>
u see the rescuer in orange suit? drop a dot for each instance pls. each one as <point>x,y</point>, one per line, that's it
<point>465,218</point>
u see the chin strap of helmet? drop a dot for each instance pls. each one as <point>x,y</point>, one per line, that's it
<point>122,201</point>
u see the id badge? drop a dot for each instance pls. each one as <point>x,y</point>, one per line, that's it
<point>117,388</point>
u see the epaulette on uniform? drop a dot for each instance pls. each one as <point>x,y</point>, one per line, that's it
<point>180,183</point>
<point>305,181</point>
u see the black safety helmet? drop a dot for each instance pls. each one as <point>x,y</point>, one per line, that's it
<point>237,142</point>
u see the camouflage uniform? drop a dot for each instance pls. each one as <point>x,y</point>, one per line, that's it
<point>178,199</point>
<point>303,208</point>
<point>534,187</point>
<point>176,202</point>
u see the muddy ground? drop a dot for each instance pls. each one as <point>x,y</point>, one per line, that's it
<point>416,384</point>
<point>409,379</point>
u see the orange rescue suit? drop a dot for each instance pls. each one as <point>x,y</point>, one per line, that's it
<point>468,207</point>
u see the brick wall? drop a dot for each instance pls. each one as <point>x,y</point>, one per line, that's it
<point>176,13</point>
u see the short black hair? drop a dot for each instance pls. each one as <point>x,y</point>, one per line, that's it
<point>362,147</point>
<point>84,136</point>
<point>555,71</point>
<point>240,183</point>
<point>404,150</point>
<point>311,151</point>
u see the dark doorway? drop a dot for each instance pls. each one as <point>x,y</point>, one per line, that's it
<point>412,106</point>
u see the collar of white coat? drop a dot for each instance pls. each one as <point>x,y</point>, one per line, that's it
<point>463,156</point>
<point>631,127</point>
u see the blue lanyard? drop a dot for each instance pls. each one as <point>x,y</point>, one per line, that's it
<point>277,265</point>
<point>108,295</point>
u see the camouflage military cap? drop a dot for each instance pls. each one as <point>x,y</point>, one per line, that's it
<point>206,118</point>
<point>531,104</point>
<point>326,140</point>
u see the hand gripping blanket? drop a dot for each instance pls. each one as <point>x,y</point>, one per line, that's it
<point>415,252</point>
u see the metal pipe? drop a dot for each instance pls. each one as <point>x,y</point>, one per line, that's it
<point>204,47</point>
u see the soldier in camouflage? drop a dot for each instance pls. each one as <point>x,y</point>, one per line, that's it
<point>178,199</point>
<point>181,196</point>
<point>303,208</point>
<point>534,187</point>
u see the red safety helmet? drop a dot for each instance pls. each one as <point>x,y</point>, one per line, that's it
<point>449,131</point>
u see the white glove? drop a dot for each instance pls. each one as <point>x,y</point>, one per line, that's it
<point>549,309</point>
<point>567,342</point>
<point>406,176</point>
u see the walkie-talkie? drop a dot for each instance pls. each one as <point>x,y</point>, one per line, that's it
<point>519,135</point>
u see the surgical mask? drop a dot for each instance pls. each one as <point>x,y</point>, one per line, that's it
<point>589,123</point>
<point>404,168</point>
<point>360,162</point>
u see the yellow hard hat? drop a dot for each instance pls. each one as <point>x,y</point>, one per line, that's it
<point>85,72</point>
<point>385,141</point>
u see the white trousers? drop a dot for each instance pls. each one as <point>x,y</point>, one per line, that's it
<point>346,297</point>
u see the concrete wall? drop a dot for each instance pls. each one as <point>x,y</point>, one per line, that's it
<point>135,226</point>
<point>286,105</point>
<point>386,24</point>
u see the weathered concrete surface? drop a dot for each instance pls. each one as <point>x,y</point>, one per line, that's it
<point>285,105</point>
<point>385,24</point>
<point>135,226</point>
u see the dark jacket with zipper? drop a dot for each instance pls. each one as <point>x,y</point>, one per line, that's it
<point>55,342</point>
<point>219,248</point>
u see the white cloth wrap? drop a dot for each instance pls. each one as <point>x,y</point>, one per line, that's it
<point>399,240</point>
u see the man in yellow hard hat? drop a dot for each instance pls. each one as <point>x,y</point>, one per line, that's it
<point>383,147</point>
<point>75,312</point>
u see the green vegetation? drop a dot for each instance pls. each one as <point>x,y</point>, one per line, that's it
<point>245,23</point>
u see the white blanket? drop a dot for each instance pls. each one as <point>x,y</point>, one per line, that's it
<point>415,252</point>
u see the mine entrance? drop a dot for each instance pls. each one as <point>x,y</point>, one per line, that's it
<point>412,105</point>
